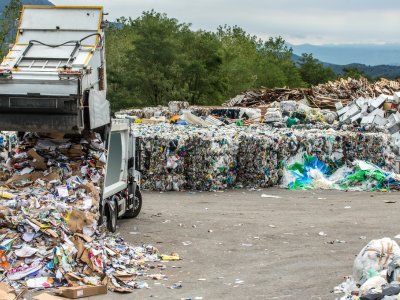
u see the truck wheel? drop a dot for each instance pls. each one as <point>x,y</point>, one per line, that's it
<point>135,210</point>
<point>112,216</point>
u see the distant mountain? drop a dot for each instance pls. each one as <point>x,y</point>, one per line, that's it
<point>3,3</point>
<point>344,54</point>
<point>387,71</point>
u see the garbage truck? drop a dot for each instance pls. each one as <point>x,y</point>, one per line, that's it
<point>53,80</point>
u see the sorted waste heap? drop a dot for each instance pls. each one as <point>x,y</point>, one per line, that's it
<point>215,158</point>
<point>50,235</point>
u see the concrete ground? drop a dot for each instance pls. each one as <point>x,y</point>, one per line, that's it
<point>245,246</point>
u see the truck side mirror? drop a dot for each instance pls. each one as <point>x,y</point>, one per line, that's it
<point>16,23</point>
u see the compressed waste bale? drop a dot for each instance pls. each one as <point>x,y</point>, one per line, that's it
<point>273,116</point>
<point>176,106</point>
<point>212,157</point>
<point>288,106</point>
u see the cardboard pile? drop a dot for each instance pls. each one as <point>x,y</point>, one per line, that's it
<point>49,213</point>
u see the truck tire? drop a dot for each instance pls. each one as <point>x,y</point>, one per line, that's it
<point>134,211</point>
<point>112,215</point>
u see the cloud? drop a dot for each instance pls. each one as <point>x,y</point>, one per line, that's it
<point>306,21</point>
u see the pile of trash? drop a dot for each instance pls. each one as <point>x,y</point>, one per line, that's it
<point>50,235</point>
<point>321,96</point>
<point>180,113</point>
<point>215,158</point>
<point>291,113</point>
<point>376,273</point>
<point>307,172</point>
<point>350,90</point>
<point>362,112</point>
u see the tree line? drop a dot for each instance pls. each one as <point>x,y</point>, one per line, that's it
<point>154,59</point>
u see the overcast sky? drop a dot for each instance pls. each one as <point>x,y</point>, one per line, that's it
<point>297,21</point>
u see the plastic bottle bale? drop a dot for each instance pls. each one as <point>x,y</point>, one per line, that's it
<point>251,113</point>
<point>176,106</point>
<point>288,105</point>
<point>377,255</point>
<point>273,116</point>
<point>330,117</point>
<point>275,104</point>
<point>137,112</point>
<point>148,112</point>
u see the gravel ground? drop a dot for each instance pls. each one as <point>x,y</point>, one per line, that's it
<point>244,246</point>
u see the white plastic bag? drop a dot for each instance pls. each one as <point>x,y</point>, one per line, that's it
<point>377,254</point>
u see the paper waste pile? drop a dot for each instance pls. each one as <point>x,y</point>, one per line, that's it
<point>376,273</point>
<point>215,158</point>
<point>49,231</point>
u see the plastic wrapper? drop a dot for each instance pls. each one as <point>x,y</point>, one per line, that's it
<point>393,270</point>
<point>382,293</point>
<point>346,287</point>
<point>49,211</point>
<point>373,282</point>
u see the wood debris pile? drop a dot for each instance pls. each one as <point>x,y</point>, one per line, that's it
<point>350,90</point>
<point>264,96</point>
<point>322,96</point>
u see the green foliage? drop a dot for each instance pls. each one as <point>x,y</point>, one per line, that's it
<point>8,32</point>
<point>313,72</point>
<point>119,39</point>
<point>162,60</point>
<point>275,67</point>
<point>152,67</point>
<point>239,54</point>
<point>200,81</point>
<point>155,59</point>
<point>353,72</point>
